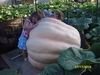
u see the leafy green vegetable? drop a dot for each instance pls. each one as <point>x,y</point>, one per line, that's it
<point>74,61</point>
<point>74,57</point>
<point>84,17</point>
<point>90,61</point>
<point>95,48</point>
<point>95,20</point>
<point>94,35</point>
<point>80,23</point>
<point>95,31</point>
<point>55,69</point>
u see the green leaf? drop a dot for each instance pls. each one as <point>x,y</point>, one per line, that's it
<point>96,20</point>
<point>79,11</point>
<point>70,58</point>
<point>95,38</point>
<point>75,72</point>
<point>90,61</point>
<point>95,48</point>
<point>88,36</point>
<point>55,69</point>
<point>85,14</point>
<point>80,23</point>
<point>87,55</point>
<point>73,57</point>
<point>95,31</point>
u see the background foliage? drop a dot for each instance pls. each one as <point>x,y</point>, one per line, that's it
<point>84,17</point>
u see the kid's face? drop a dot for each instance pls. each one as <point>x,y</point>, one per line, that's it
<point>55,15</point>
<point>34,19</point>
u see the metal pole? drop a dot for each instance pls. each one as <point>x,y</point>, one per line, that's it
<point>16,56</point>
<point>36,5</point>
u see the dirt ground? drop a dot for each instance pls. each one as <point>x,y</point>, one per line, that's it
<point>3,64</point>
<point>23,68</point>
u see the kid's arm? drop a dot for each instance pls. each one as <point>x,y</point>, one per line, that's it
<point>43,13</point>
<point>26,25</point>
<point>35,25</point>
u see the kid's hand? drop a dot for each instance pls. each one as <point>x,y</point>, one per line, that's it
<point>35,25</point>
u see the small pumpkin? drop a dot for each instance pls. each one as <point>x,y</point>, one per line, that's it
<point>48,40</point>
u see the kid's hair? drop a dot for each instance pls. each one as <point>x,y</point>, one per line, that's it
<point>35,14</point>
<point>60,14</point>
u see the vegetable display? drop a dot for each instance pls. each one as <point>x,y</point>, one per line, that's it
<point>48,40</point>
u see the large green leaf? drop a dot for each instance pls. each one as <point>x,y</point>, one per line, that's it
<point>80,23</point>
<point>95,48</point>
<point>96,20</point>
<point>55,69</point>
<point>74,57</point>
<point>90,61</point>
<point>85,14</point>
<point>70,58</point>
<point>94,35</point>
<point>95,31</point>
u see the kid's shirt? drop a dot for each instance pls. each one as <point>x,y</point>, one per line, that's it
<point>25,32</point>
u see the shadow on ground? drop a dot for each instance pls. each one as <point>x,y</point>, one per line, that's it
<point>23,67</point>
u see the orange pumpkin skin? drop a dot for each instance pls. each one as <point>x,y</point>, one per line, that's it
<point>48,40</point>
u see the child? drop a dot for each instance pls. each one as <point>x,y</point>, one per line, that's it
<point>46,13</point>
<point>29,24</point>
<point>58,15</point>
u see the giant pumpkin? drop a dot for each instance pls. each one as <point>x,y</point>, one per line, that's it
<point>48,40</point>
